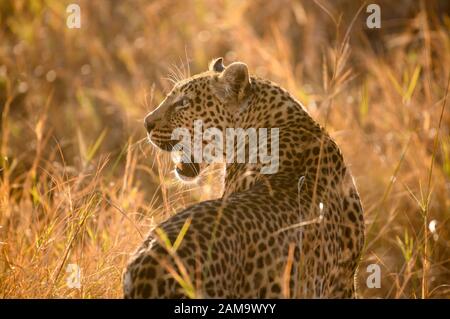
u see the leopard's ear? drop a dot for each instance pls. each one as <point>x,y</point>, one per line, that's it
<point>233,84</point>
<point>216,65</point>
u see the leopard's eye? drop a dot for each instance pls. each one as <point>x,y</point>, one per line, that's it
<point>182,104</point>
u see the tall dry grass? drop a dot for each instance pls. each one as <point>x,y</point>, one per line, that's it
<point>80,185</point>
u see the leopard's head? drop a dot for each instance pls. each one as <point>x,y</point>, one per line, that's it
<point>213,97</point>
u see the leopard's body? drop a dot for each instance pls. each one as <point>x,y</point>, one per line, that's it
<point>296,233</point>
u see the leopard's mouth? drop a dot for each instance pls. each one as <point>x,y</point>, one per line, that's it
<point>163,144</point>
<point>185,170</point>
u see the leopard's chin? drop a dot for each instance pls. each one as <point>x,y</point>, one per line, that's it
<point>187,172</point>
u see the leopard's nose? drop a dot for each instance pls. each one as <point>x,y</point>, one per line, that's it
<point>149,124</point>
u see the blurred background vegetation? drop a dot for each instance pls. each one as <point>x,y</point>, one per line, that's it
<point>79,183</point>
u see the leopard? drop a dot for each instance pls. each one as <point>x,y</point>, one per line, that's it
<point>297,232</point>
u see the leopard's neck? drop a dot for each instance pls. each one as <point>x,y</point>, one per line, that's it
<point>272,108</point>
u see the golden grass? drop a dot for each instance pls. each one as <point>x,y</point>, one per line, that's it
<point>79,184</point>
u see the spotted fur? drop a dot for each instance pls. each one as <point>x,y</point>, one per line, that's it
<point>296,233</point>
